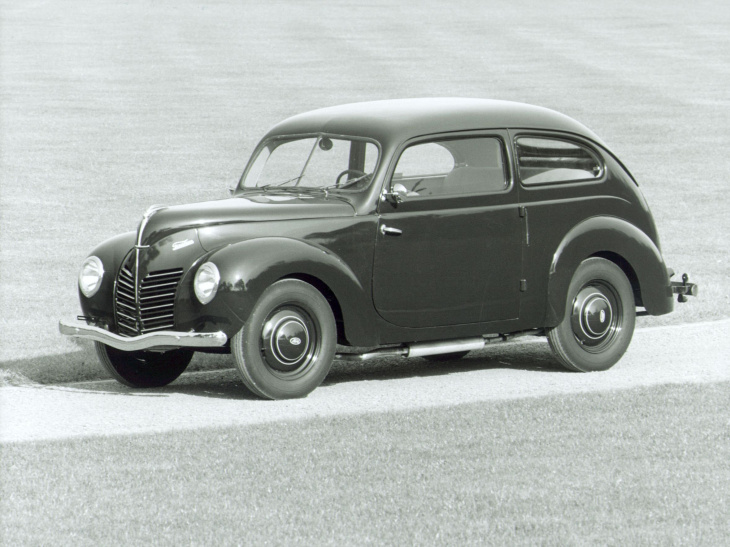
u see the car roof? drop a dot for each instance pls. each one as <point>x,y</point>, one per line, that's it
<point>397,120</point>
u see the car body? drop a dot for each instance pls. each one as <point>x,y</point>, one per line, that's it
<point>415,227</point>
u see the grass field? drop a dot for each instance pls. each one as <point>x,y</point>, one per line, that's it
<point>638,467</point>
<point>109,107</point>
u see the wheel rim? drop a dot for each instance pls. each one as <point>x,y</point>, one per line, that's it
<point>289,341</point>
<point>596,316</point>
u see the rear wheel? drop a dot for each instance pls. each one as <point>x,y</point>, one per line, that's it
<point>599,318</point>
<point>286,347</point>
<point>143,368</point>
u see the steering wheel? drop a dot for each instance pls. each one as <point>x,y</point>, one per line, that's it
<point>356,172</point>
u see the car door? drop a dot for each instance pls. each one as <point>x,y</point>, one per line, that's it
<point>448,248</point>
<point>561,184</point>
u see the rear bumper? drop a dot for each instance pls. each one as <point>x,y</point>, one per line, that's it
<point>683,288</point>
<point>153,340</point>
<point>690,289</point>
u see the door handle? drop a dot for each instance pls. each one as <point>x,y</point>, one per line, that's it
<point>387,230</point>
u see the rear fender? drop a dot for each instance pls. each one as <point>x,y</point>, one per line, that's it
<point>617,240</point>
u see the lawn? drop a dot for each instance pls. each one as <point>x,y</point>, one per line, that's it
<point>635,467</point>
<point>109,107</point>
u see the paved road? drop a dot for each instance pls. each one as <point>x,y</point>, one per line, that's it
<point>663,355</point>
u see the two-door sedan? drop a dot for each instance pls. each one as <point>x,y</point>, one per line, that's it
<point>415,228</point>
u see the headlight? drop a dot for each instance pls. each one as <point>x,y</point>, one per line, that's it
<point>92,271</point>
<point>206,282</point>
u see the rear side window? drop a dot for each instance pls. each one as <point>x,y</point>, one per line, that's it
<point>549,160</point>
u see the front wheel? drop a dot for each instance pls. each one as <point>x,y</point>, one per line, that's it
<point>599,318</point>
<point>286,347</point>
<point>143,368</point>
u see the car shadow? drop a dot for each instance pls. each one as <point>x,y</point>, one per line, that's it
<point>532,355</point>
<point>225,383</point>
<point>218,384</point>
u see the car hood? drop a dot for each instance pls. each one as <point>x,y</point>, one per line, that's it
<point>250,208</point>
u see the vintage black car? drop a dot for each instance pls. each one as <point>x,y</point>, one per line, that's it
<point>415,228</point>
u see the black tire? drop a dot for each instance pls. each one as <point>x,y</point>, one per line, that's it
<point>600,315</point>
<point>143,368</point>
<point>446,356</point>
<point>286,347</point>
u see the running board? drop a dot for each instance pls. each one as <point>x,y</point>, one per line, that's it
<point>422,349</point>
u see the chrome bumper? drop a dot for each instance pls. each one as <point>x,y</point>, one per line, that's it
<point>152,340</point>
<point>683,288</point>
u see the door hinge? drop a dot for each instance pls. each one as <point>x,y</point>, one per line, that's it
<point>523,285</point>
<point>523,214</point>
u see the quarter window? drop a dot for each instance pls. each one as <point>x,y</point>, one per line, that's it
<point>549,160</point>
<point>451,167</point>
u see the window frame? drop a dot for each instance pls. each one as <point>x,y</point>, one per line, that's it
<point>501,136</point>
<point>591,149</point>
<point>296,136</point>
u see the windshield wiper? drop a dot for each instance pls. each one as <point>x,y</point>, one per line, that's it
<point>282,183</point>
<point>345,184</point>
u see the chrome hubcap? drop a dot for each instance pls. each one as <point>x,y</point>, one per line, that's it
<point>288,339</point>
<point>596,316</point>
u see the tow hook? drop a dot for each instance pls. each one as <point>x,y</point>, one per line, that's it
<point>683,288</point>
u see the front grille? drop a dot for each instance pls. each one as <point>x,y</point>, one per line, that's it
<point>156,301</point>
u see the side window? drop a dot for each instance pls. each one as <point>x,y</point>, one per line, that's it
<point>549,160</point>
<point>451,167</point>
<point>429,159</point>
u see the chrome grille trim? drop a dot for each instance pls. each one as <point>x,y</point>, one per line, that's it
<point>149,306</point>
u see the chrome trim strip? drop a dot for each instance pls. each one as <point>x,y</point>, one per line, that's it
<point>418,349</point>
<point>381,352</point>
<point>421,349</point>
<point>126,316</point>
<point>164,285</point>
<point>160,339</point>
<point>151,210</point>
<point>135,278</point>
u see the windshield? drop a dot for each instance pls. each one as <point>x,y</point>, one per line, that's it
<point>325,163</point>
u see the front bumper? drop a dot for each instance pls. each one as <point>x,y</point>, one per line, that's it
<point>154,340</point>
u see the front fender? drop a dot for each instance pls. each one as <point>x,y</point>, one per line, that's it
<point>249,267</point>
<point>111,253</point>
<point>616,239</point>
